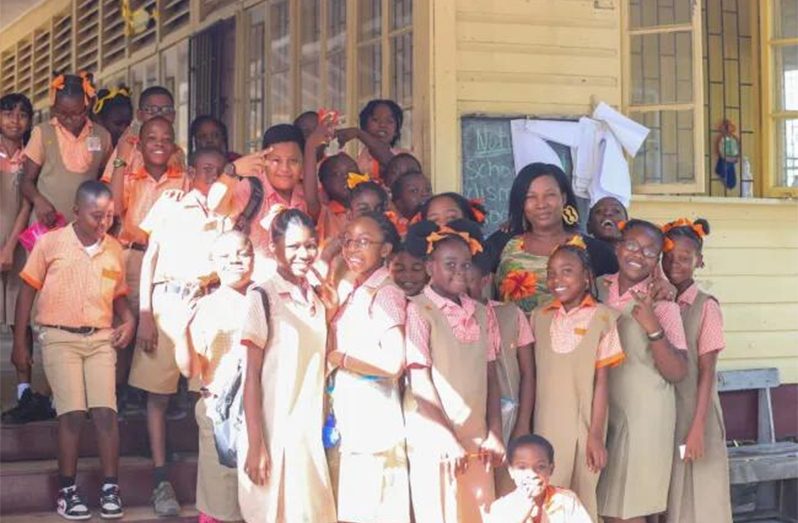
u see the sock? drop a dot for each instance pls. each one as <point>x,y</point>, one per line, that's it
<point>159,475</point>
<point>109,481</point>
<point>67,481</point>
<point>21,388</point>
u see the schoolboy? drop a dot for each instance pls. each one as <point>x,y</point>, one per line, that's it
<point>78,272</point>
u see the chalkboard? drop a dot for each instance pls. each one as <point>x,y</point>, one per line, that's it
<point>488,166</point>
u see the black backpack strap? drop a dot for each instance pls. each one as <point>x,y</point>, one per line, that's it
<point>255,201</point>
<point>264,296</point>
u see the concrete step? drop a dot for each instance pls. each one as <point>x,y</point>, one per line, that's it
<point>140,514</point>
<point>32,486</point>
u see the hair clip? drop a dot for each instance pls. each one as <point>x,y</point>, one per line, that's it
<point>697,228</point>
<point>355,179</point>
<point>667,245</point>
<point>56,85</point>
<point>577,241</point>
<point>113,93</point>
<point>447,232</point>
<point>88,88</point>
<point>275,211</point>
<point>477,205</point>
<point>621,224</point>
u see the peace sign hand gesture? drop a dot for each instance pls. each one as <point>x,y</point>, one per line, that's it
<point>643,312</point>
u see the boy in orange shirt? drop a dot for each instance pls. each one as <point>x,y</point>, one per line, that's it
<point>175,269</point>
<point>78,273</point>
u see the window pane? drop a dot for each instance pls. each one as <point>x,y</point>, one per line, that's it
<point>280,45</point>
<point>401,14</point>
<point>667,153</point>
<point>255,75</point>
<point>785,13</point>
<point>280,84</point>
<point>310,34</point>
<point>402,69</point>
<point>787,152</point>
<point>406,140</point>
<point>174,66</point>
<point>311,85</point>
<point>336,55</point>
<point>785,61</point>
<point>662,70</point>
<point>369,77</point>
<point>370,19</point>
<point>648,13</point>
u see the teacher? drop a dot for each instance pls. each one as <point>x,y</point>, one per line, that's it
<point>542,215</point>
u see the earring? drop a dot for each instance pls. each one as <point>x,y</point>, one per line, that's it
<point>570,215</point>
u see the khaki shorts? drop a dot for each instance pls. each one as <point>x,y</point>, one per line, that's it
<point>157,371</point>
<point>81,369</point>
<point>217,485</point>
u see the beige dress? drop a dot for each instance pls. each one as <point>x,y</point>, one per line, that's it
<point>10,201</point>
<point>372,479</point>
<point>640,432</point>
<point>564,401</point>
<point>294,336</point>
<point>699,491</point>
<point>459,374</point>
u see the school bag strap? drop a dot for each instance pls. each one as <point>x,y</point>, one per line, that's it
<point>252,208</point>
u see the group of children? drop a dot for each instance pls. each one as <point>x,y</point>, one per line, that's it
<point>381,383</point>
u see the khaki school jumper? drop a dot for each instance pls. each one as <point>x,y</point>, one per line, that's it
<point>56,182</point>
<point>640,433</point>
<point>509,375</point>
<point>699,491</point>
<point>564,401</point>
<point>459,373</point>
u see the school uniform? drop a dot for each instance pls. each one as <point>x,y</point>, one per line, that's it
<point>367,164</point>
<point>185,229</point>
<point>559,506</point>
<point>373,479</point>
<point>76,288</point>
<point>66,160</point>
<point>332,221</point>
<point>699,490</point>
<point>10,203</point>
<point>293,336</point>
<point>135,160</point>
<point>515,332</point>
<point>642,412</point>
<point>216,337</point>
<point>569,347</point>
<point>455,342</point>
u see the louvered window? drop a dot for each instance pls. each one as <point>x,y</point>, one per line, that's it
<point>41,63</point>
<point>25,66</point>
<point>8,71</point>
<point>62,43</point>
<point>142,36</point>
<point>113,37</point>
<point>87,36</point>
<point>174,14</point>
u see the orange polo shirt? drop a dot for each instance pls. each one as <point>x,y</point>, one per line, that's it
<point>140,194</point>
<point>135,160</point>
<point>74,150</point>
<point>332,220</point>
<point>76,289</point>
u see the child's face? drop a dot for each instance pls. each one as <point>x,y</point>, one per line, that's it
<point>284,166</point>
<point>335,181</point>
<point>399,167</point>
<point>409,273</point>
<point>14,123</point>
<point>415,191</point>
<point>71,111</point>
<point>544,203</point>
<point>209,135</point>
<point>364,247</point>
<point>157,143</point>
<point>156,105</point>
<point>638,253</point>
<point>476,282</point>
<point>531,469</point>
<point>206,170</point>
<point>604,218</point>
<point>94,216</point>
<point>681,262</point>
<point>382,124</point>
<point>567,278</point>
<point>448,268</point>
<point>443,210</point>
<point>232,260</point>
<point>364,202</point>
<point>116,121</point>
<point>296,251</point>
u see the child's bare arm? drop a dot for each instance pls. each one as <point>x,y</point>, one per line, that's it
<point>492,446</point>
<point>186,356</point>
<point>596,451</point>
<point>147,335</point>
<point>45,212</point>
<point>20,357</point>
<point>322,134</point>
<point>123,333</point>
<point>20,222</point>
<point>706,378</point>
<point>526,393</point>
<point>386,362</point>
<point>380,150</point>
<point>430,407</point>
<point>257,461</point>
<point>669,361</point>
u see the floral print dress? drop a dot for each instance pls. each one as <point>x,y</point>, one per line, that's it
<point>521,276</point>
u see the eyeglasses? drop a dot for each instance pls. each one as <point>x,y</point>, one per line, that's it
<point>633,246</point>
<point>360,243</point>
<point>154,110</point>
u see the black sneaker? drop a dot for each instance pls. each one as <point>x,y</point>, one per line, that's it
<point>111,503</point>
<point>22,412</point>
<point>70,505</point>
<point>41,408</point>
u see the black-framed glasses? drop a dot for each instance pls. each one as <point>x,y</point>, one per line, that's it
<point>155,110</point>
<point>359,243</point>
<point>633,246</point>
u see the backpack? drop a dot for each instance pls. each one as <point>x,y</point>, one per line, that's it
<point>227,413</point>
<point>253,205</point>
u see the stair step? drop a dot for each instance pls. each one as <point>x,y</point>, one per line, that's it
<point>32,486</point>
<point>39,440</point>
<point>141,514</point>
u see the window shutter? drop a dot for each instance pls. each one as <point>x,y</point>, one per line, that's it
<point>174,14</point>
<point>146,36</point>
<point>87,25</point>
<point>113,36</point>
<point>41,63</point>
<point>25,66</point>
<point>62,43</point>
<point>8,71</point>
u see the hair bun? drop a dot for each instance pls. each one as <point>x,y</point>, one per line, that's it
<point>703,223</point>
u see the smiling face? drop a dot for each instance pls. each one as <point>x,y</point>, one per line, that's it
<point>409,273</point>
<point>296,251</point>
<point>382,124</point>
<point>567,278</point>
<point>680,263</point>
<point>284,166</point>
<point>544,203</point>
<point>232,260</point>
<point>156,142</point>
<point>94,216</point>
<point>415,190</point>
<point>638,253</point>
<point>364,247</point>
<point>156,104</point>
<point>14,123</point>
<point>71,112</point>
<point>443,210</point>
<point>448,268</point>
<point>604,218</point>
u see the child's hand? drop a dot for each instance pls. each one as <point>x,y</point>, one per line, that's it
<point>147,334</point>
<point>596,453</point>
<point>45,212</point>
<point>529,483</point>
<point>6,258</point>
<point>21,358</point>
<point>694,444</point>
<point>491,451</point>
<point>455,458</point>
<point>660,289</point>
<point>328,294</point>
<point>123,335</point>
<point>643,312</point>
<point>324,132</point>
<point>335,358</point>
<point>252,163</point>
<point>258,464</point>
<point>346,135</point>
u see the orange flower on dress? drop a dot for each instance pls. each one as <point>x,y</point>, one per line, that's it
<point>518,284</point>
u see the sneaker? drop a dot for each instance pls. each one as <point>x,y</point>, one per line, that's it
<point>111,503</point>
<point>175,411</point>
<point>164,501</point>
<point>70,505</point>
<point>32,406</point>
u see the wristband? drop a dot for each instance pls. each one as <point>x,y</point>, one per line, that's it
<point>119,162</point>
<point>656,335</point>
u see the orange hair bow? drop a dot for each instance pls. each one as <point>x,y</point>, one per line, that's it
<point>88,89</point>
<point>621,225</point>
<point>56,85</point>
<point>355,179</point>
<point>113,93</point>
<point>667,245</point>
<point>476,205</point>
<point>447,232</point>
<point>697,228</point>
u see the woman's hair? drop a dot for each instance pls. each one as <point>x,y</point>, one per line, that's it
<point>521,186</point>
<point>686,231</point>
<point>199,121</point>
<point>11,101</point>
<point>368,111</point>
<point>285,219</point>
<point>283,133</point>
<point>530,439</point>
<point>388,230</point>
<point>399,185</point>
<point>72,86</point>
<point>370,187</point>
<point>470,209</point>
<point>416,238</point>
<point>635,223</point>
<point>119,100</point>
